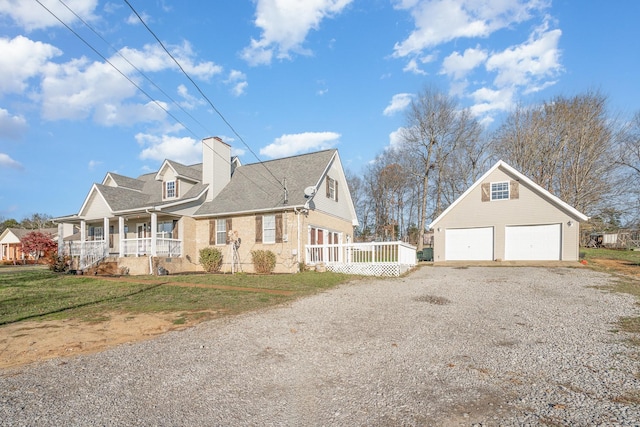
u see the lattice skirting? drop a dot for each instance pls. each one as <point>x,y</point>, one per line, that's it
<point>387,270</point>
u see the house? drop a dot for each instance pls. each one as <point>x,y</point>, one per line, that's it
<point>11,243</point>
<point>505,216</point>
<point>163,219</point>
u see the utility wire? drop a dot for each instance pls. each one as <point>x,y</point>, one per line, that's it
<point>142,90</point>
<point>117,51</point>
<point>201,92</point>
<point>116,68</point>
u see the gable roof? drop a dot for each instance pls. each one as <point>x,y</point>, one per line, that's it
<point>19,233</point>
<point>260,186</point>
<point>192,173</point>
<point>124,181</point>
<point>523,179</point>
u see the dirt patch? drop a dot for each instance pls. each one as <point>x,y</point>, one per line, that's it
<point>27,342</point>
<point>617,266</point>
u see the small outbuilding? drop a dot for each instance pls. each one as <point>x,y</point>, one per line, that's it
<point>505,216</point>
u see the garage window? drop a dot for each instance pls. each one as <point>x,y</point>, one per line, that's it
<point>500,190</point>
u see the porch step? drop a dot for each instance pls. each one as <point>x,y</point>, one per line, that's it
<point>104,268</point>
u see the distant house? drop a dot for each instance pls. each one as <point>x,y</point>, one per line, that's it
<point>11,243</point>
<point>163,219</point>
<point>505,216</point>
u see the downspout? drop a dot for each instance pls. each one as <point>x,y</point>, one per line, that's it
<point>298,236</point>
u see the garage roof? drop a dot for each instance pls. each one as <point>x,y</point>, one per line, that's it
<point>523,179</point>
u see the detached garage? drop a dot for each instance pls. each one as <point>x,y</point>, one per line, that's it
<point>506,216</point>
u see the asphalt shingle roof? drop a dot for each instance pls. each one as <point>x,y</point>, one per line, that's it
<point>253,187</point>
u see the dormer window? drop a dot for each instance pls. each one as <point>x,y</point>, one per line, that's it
<point>170,190</point>
<point>500,191</point>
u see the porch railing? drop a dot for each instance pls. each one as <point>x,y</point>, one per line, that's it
<point>373,258</point>
<point>89,252</point>
<point>142,246</point>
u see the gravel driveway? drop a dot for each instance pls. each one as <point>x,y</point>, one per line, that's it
<point>442,346</point>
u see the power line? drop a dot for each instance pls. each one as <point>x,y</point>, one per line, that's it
<point>116,68</point>
<point>117,51</point>
<point>200,90</point>
<point>138,87</point>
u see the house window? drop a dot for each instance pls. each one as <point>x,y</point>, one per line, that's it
<point>95,233</point>
<point>165,229</point>
<point>499,191</point>
<point>221,231</point>
<point>332,189</point>
<point>269,229</point>
<point>171,189</point>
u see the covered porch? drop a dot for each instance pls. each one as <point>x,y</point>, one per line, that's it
<point>369,259</point>
<point>122,236</point>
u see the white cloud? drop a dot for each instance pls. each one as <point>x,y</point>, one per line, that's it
<point>183,150</point>
<point>189,101</point>
<point>238,82</point>
<point>291,144</point>
<point>285,25</point>
<point>440,21</point>
<point>21,60</point>
<point>79,88</point>
<point>413,67</point>
<point>458,66</point>
<point>398,103</point>
<point>491,100</point>
<point>154,58</point>
<point>30,15</point>
<point>8,162</point>
<point>395,139</point>
<point>93,163</point>
<point>11,127</point>
<point>525,64</point>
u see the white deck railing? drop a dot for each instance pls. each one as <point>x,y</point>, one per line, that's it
<point>89,252</point>
<point>373,259</point>
<point>164,247</point>
<point>92,251</point>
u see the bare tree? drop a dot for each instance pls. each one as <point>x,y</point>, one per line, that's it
<point>629,158</point>
<point>435,127</point>
<point>566,145</point>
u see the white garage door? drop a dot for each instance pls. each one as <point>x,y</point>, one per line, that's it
<point>469,244</point>
<point>532,242</point>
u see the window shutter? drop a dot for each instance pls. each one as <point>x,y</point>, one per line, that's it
<point>278,228</point>
<point>229,229</point>
<point>212,231</point>
<point>328,190</point>
<point>258,229</point>
<point>177,193</point>
<point>174,232</point>
<point>514,190</point>
<point>335,184</point>
<point>164,190</point>
<point>486,192</point>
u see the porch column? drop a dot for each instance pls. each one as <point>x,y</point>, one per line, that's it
<point>105,235</point>
<point>83,238</point>
<point>121,236</point>
<point>154,233</point>
<point>60,239</point>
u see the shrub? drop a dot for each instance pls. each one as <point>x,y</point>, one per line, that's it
<point>263,261</point>
<point>58,264</point>
<point>211,259</point>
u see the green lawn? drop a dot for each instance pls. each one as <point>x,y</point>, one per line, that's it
<point>40,294</point>
<point>632,257</point>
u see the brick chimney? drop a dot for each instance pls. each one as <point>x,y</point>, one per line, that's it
<point>216,165</point>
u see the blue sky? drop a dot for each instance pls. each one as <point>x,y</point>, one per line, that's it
<point>290,76</point>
